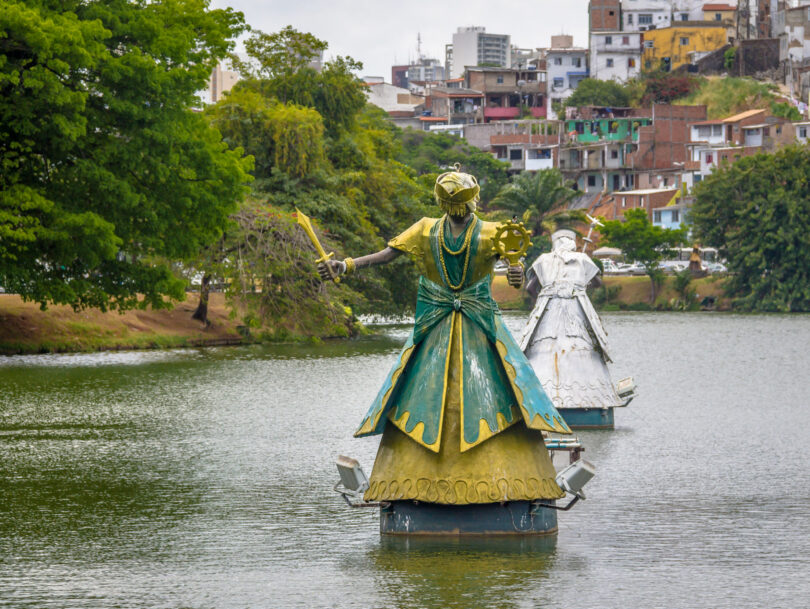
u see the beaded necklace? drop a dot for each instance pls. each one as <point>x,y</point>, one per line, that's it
<point>465,246</point>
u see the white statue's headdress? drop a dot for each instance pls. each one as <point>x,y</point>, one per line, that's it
<point>564,232</point>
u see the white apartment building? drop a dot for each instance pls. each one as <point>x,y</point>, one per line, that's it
<point>565,68</point>
<point>473,46</point>
<point>220,82</point>
<point>688,10</point>
<point>426,70</point>
<point>615,55</point>
<point>642,15</point>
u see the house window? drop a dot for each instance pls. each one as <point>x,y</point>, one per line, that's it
<point>717,130</point>
<point>684,16</point>
<point>559,83</point>
<point>515,154</point>
<point>697,178</point>
<point>645,19</point>
<point>647,64</point>
<point>625,40</point>
<point>666,181</point>
<point>709,158</point>
<point>704,131</point>
<point>676,216</point>
<point>614,154</point>
<point>558,61</point>
<point>608,39</point>
<point>576,62</point>
<point>778,130</point>
<point>630,19</point>
<point>610,62</point>
<point>591,180</point>
<point>718,17</point>
<point>648,44</point>
<point>631,62</point>
<point>803,132</point>
<point>684,41</point>
<point>624,201</point>
<point>656,216</point>
<point>499,79</point>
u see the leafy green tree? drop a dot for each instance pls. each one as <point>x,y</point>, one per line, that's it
<point>320,147</point>
<point>641,241</point>
<point>756,212</point>
<point>279,67</point>
<point>593,92</point>
<point>107,173</point>
<point>538,199</point>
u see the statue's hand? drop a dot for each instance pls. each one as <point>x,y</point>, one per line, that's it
<point>515,276</point>
<point>338,268</point>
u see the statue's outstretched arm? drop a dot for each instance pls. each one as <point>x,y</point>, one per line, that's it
<point>340,267</point>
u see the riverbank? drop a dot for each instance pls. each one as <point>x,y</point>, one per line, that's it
<point>625,293</point>
<point>24,328</point>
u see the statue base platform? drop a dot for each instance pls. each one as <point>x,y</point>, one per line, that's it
<point>482,519</point>
<point>588,418</point>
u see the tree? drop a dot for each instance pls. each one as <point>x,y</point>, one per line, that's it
<point>593,92</point>
<point>534,197</point>
<point>108,175</point>
<point>279,67</point>
<point>641,241</point>
<point>756,212</point>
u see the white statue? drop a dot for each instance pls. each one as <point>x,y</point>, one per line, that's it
<point>564,340</point>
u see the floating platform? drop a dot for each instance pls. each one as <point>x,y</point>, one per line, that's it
<point>492,519</point>
<point>588,418</point>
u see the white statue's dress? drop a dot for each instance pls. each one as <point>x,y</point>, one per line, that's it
<point>564,340</point>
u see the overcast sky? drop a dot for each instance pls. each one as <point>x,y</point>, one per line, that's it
<point>382,33</point>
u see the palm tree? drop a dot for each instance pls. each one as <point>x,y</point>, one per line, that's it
<point>534,196</point>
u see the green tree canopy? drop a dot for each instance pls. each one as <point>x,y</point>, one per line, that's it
<point>756,212</point>
<point>538,199</point>
<point>593,92</point>
<point>320,147</point>
<point>106,170</point>
<point>643,242</point>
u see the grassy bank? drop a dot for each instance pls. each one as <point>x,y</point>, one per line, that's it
<point>24,328</point>
<point>630,293</point>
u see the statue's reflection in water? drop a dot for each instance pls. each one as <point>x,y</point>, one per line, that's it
<point>445,572</point>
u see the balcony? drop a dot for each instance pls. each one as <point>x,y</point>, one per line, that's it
<point>501,113</point>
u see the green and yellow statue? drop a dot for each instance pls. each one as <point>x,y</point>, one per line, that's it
<point>461,412</point>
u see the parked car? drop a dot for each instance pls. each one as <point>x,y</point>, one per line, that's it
<point>636,268</point>
<point>609,266</point>
<point>716,267</point>
<point>672,266</point>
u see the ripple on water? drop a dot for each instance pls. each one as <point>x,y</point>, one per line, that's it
<point>202,478</point>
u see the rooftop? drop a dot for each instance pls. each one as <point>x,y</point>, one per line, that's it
<point>646,191</point>
<point>719,7</point>
<point>454,92</point>
<point>742,115</point>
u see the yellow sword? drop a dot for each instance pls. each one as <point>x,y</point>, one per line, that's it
<point>303,220</point>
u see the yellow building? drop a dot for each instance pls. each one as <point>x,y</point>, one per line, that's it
<point>680,44</point>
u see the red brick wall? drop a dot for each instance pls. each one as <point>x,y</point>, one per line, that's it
<point>663,143</point>
<point>601,17</point>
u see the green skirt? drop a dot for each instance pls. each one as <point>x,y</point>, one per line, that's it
<point>512,465</point>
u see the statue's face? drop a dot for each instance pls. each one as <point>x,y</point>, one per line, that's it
<point>564,244</point>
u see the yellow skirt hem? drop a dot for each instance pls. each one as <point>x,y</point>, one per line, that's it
<point>459,491</point>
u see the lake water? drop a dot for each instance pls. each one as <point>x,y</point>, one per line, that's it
<point>202,479</point>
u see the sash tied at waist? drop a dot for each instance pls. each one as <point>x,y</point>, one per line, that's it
<point>563,289</point>
<point>434,302</point>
